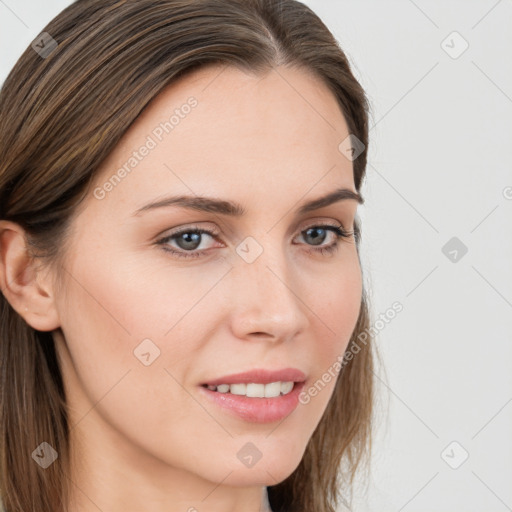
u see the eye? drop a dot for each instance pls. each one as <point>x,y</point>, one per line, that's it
<point>189,239</point>
<point>318,233</point>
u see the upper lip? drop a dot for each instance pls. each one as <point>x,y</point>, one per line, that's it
<point>260,376</point>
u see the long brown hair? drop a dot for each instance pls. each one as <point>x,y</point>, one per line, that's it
<point>63,108</point>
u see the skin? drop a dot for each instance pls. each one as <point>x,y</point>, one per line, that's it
<point>143,437</point>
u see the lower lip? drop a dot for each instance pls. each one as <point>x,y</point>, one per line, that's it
<point>257,410</point>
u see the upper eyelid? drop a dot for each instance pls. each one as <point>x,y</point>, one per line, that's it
<point>215,233</point>
<point>215,230</point>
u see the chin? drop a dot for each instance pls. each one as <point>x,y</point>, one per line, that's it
<point>274,465</point>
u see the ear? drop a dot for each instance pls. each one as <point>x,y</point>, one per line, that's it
<point>28,291</point>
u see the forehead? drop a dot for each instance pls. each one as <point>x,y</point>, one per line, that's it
<point>222,131</point>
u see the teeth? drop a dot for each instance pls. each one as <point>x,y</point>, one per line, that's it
<point>274,389</point>
<point>271,390</point>
<point>286,387</point>
<point>237,389</point>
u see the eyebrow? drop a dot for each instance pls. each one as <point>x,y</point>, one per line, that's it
<point>214,205</point>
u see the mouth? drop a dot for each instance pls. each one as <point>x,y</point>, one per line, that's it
<point>259,396</point>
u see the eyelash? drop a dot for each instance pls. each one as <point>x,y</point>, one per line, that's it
<point>324,250</point>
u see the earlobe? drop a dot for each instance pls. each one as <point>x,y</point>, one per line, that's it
<point>22,284</point>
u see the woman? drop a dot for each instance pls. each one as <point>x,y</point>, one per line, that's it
<point>181,283</point>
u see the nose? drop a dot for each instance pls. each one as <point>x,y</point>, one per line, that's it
<point>267,301</point>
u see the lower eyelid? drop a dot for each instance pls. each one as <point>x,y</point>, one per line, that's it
<point>199,252</point>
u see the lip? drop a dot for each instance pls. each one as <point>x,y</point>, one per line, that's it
<point>260,376</point>
<point>256,410</point>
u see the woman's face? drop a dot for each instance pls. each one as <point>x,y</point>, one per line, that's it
<point>144,328</point>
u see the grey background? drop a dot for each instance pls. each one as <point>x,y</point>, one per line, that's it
<point>439,167</point>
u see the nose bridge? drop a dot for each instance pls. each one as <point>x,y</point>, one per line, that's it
<point>264,290</point>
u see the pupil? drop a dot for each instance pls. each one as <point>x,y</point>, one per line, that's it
<point>316,240</point>
<point>192,240</point>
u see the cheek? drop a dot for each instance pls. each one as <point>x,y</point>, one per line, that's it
<point>103,326</point>
<point>336,304</point>
<point>117,319</point>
